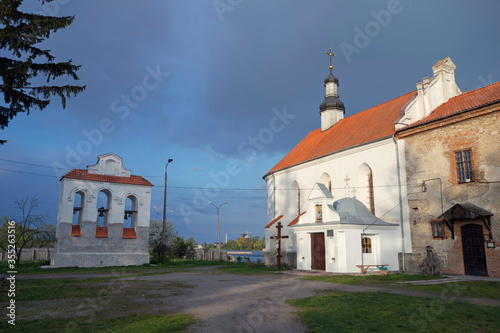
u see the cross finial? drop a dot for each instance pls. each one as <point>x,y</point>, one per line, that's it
<point>347,179</point>
<point>330,54</point>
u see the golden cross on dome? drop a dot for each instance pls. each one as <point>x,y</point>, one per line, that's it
<point>330,54</point>
<point>347,179</point>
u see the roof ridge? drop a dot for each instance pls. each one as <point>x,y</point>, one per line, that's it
<point>476,90</point>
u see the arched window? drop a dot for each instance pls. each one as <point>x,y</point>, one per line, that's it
<point>367,245</point>
<point>76,230</point>
<point>327,181</point>
<point>130,217</point>
<point>365,187</point>
<point>103,204</point>
<point>296,196</point>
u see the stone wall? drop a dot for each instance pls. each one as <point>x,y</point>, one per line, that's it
<point>88,250</point>
<point>430,156</point>
<point>288,258</point>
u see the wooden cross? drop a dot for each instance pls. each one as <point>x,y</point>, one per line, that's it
<point>330,54</point>
<point>277,239</point>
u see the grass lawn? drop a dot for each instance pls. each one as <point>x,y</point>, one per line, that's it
<point>381,312</point>
<point>128,324</point>
<point>52,289</point>
<point>27,267</point>
<point>371,279</point>
<point>480,289</point>
<point>244,269</point>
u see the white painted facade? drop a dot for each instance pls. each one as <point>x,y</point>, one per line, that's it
<point>87,250</point>
<point>352,163</point>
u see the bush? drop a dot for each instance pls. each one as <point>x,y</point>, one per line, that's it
<point>239,259</point>
<point>160,253</point>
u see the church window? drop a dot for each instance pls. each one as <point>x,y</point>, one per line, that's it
<point>367,245</point>
<point>437,229</point>
<point>296,191</point>
<point>327,181</point>
<point>464,166</point>
<point>370,192</point>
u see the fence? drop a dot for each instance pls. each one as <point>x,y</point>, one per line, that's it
<point>210,255</point>
<point>32,254</point>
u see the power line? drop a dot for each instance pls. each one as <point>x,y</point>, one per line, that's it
<point>32,164</point>
<point>28,173</point>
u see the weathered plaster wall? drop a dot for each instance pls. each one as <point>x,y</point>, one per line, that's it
<point>430,154</point>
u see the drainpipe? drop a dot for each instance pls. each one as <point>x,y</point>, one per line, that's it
<point>400,205</point>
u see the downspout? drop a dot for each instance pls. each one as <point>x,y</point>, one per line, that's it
<point>274,195</point>
<point>400,205</point>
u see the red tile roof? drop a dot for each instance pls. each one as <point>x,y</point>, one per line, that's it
<point>101,232</point>
<point>295,220</point>
<point>466,101</point>
<point>366,126</point>
<point>76,231</point>
<point>129,233</point>
<point>83,174</point>
<point>273,222</point>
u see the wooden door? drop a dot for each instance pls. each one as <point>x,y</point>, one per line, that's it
<point>473,247</point>
<point>318,251</point>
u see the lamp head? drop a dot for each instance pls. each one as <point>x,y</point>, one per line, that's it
<point>170,160</point>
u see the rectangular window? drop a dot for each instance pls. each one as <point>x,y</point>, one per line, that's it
<point>367,245</point>
<point>437,229</point>
<point>464,166</point>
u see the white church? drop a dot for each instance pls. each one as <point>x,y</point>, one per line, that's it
<point>341,193</point>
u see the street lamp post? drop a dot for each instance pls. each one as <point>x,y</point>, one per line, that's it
<point>218,225</point>
<point>165,204</point>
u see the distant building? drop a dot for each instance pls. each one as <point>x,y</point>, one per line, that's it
<point>91,235</point>
<point>343,192</point>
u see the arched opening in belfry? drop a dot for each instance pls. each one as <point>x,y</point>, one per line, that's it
<point>130,217</point>
<point>76,225</point>
<point>103,207</point>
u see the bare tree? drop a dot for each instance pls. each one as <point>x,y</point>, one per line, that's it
<point>27,227</point>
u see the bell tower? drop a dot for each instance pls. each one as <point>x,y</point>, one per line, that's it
<point>332,109</point>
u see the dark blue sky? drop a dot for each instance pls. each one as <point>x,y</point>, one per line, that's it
<point>226,88</point>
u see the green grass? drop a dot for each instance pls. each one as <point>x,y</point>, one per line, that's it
<point>370,279</point>
<point>27,267</point>
<point>244,269</point>
<point>128,324</point>
<point>52,289</point>
<point>381,312</point>
<point>479,289</point>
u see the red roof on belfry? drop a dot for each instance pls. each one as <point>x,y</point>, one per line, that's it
<point>84,175</point>
<point>366,126</point>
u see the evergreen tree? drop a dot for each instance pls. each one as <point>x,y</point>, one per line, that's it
<point>19,34</point>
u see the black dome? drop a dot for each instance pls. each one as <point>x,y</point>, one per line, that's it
<point>331,78</point>
<point>332,102</point>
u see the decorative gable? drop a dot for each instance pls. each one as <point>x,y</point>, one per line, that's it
<point>431,93</point>
<point>109,164</point>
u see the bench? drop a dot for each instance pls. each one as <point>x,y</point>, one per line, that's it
<point>364,268</point>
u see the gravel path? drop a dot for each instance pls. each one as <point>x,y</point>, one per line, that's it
<point>256,303</point>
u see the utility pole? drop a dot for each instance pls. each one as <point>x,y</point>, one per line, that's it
<point>165,204</point>
<point>218,225</point>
